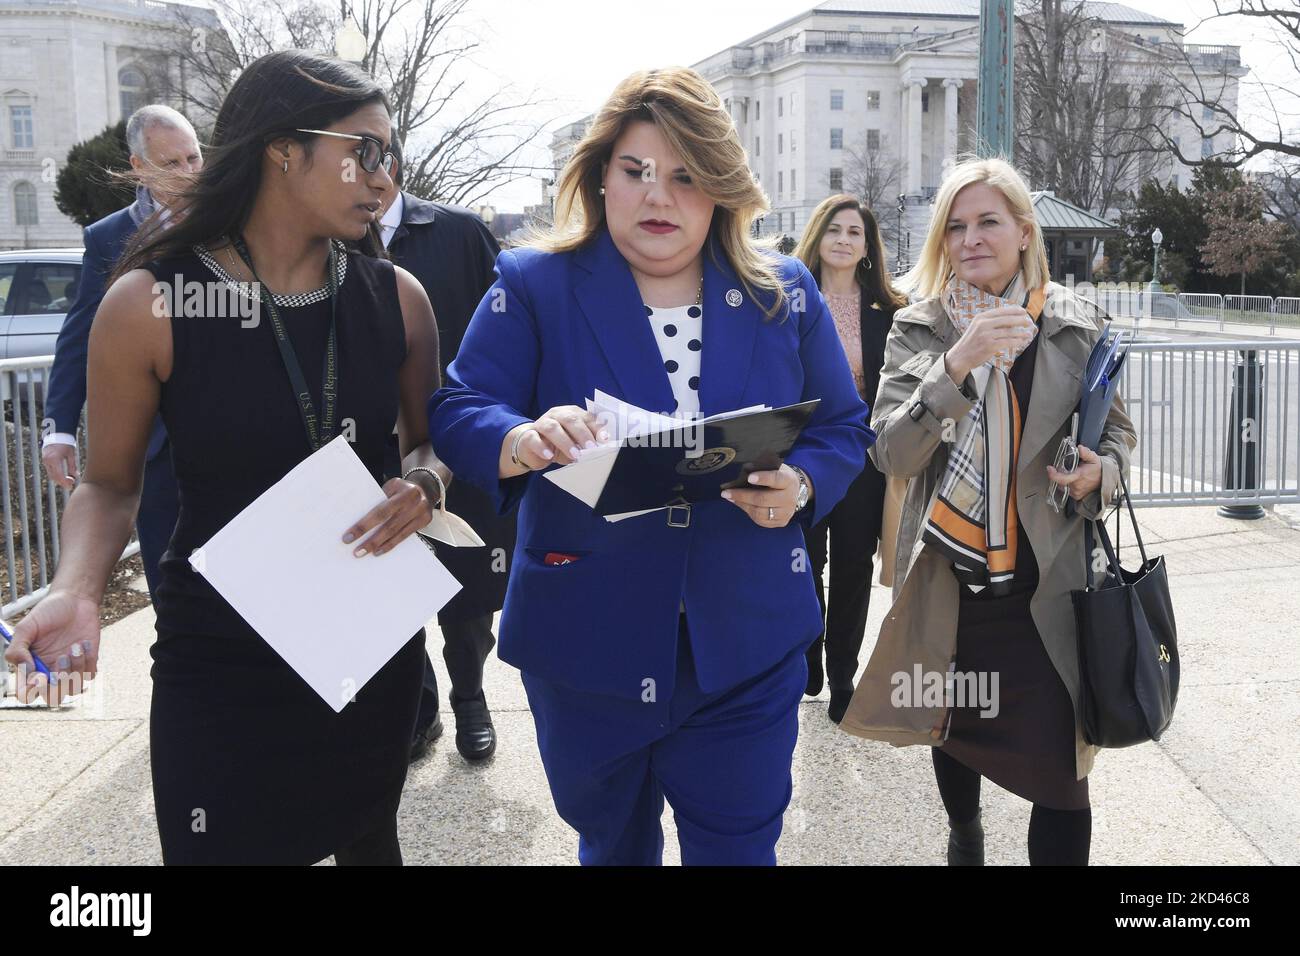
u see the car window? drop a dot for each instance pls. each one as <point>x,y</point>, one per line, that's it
<point>49,288</point>
<point>7,270</point>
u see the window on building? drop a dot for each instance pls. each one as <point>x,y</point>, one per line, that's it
<point>792,104</point>
<point>1207,147</point>
<point>758,111</point>
<point>1175,182</point>
<point>132,90</point>
<point>873,139</point>
<point>794,143</point>
<point>836,179</point>
<point>780,183</point>
<point>1207,113</point>
<point>925,101</point>
<point>758,146</point>
<point>20,127</point>
<point>837,99</point>
<point>873,99</point>
<point>792,219</point>
<point>837,138</point>
<point>780,106</point>
<point>793,180</point>
<point>25,204</point>
<point>780,143</point>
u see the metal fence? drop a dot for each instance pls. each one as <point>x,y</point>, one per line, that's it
<point>32,504</point>
<point>1218,423</point>
<point>1199,308</point>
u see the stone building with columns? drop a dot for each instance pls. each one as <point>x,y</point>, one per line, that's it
<point>892,80</point>
<point>68,69</point>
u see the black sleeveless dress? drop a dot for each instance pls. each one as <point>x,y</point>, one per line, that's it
<point>249,764</point>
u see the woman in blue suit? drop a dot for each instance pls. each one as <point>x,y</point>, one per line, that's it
<point>663,654</point>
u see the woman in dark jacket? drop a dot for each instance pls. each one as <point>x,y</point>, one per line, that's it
<point>843,250</point>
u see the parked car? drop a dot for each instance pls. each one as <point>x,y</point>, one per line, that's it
<point>37,287</point>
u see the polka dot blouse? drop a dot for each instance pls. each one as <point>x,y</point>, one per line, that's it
<point>678,332</point>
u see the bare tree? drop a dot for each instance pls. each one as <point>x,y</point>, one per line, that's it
<point>1086,97</point>
<point>872,172</point>
<point>458,147</point>
<point>1202,101</point>
<point>1241,241</point>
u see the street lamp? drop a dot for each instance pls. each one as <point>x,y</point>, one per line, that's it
<point>1157,237</point>
<point>350,43</point>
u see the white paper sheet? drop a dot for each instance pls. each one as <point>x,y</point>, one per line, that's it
<point>282,564</point>
<point>585,478</point>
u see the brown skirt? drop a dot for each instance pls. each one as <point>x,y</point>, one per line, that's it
<point>1028,747</point>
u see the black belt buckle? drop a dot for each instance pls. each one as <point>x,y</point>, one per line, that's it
<point>680,522</point>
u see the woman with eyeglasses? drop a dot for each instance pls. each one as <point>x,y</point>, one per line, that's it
<point>981,375</point>
<point>249,764</point>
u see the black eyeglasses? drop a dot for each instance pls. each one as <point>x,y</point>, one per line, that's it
<point>372,150</point>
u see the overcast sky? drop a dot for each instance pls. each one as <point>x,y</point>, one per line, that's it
<point>575,51</point>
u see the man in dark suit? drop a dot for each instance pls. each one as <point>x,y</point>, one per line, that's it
<point>450,251</point>
<point>162,143</point>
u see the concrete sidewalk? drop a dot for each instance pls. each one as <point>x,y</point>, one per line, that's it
<point>1218,789</point>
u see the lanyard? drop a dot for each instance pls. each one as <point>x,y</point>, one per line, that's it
<point>329,378</point>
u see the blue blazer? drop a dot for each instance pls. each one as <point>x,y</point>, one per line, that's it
<point>66,393</point>
<point>556,326</point>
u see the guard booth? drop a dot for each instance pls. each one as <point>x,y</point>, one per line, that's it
<point>1072,235</point>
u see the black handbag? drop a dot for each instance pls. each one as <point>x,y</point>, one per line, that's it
<point>1128,645</point>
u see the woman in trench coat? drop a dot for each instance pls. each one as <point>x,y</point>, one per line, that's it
<point>988,361</point>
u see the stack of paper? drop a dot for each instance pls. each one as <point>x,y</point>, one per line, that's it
<point>753,435</point>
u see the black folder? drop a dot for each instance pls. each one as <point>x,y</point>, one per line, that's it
<point>658,470</point>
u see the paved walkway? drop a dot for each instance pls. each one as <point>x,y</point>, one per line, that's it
<point>1218,789</point>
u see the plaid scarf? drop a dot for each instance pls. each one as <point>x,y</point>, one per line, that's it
<point>973,517</point>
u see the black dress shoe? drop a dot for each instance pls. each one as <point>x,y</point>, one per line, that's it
<point>966,843</point>
<point>424,738</point>
<point>476,738</point>
<point>840,698</point>
<point>815,674</point>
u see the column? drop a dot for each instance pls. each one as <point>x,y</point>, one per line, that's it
<point>912,149</point>
<point>950,88</point>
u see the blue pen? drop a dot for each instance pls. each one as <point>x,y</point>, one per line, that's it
<point>8,638</point>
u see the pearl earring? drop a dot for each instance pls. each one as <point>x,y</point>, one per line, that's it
<point>286,166</point>
<point>602,190</point>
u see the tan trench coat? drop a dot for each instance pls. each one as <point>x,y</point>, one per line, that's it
<point>915,400</point>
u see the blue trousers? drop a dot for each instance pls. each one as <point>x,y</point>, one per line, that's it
<point>722,760</point>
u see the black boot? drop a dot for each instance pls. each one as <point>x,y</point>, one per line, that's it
<point>966,843</point>
<point>815,676</point>
<point>840,697</point>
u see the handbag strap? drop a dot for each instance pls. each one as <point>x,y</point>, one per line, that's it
<point>1112,552</point>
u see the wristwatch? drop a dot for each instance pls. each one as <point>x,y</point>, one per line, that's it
<point>805,489</point>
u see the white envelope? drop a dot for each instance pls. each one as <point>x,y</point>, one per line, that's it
<point>282,564</point>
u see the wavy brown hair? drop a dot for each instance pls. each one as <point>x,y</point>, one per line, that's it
<point>692,118</point>
<point>874,280</point>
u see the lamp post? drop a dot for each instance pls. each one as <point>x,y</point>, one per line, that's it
<point>902,204</point>
<point>1157,237</point>
<point>349,42</point>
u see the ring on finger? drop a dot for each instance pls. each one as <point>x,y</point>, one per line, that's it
<point>771,514</point>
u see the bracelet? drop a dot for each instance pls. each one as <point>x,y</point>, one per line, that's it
<point>514,447</point>
<point>442,489</point>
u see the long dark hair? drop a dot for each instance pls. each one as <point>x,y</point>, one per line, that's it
<point>874,279</point>
<point>275,95</point>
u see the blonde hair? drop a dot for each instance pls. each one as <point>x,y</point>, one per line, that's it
<point>927,277</point>
<point>691,117</point>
